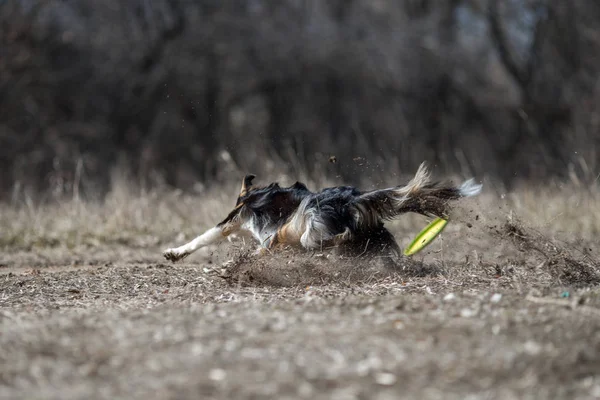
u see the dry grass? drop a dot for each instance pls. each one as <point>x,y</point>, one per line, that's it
<point>132,219</point>
<point>139,218</point>
<point>505,305</point>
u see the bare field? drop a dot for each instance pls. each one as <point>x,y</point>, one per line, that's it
<point>506,304</point>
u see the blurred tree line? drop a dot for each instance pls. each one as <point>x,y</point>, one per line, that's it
<point>188,91</point>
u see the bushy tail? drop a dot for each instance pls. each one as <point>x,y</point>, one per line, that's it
<point>419,195</point>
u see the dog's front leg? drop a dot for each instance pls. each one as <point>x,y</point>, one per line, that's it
<point>211,236</point>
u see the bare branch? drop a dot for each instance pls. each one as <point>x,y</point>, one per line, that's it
<point>505,53</point>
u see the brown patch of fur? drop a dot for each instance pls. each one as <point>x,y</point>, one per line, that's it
<point>286,235</point>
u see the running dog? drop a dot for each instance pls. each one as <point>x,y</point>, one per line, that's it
<point>342,218</point>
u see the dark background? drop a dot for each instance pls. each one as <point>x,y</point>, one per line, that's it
<point>179,91</point>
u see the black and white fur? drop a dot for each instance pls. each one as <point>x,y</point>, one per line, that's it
<point>340,217</point>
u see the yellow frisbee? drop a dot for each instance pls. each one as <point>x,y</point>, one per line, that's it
<point>426,236</point>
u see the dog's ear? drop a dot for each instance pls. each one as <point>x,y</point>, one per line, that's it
<point>246,183</point>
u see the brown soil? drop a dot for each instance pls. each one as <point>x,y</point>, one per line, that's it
<point>494,311</point>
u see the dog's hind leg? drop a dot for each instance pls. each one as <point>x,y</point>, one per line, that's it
<point>377,242</point>
<point>211,236</point>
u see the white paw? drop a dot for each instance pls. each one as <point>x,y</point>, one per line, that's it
<point>174,255</point>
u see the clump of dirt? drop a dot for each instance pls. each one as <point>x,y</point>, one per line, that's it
<point>560,260</point>
<point>527,254</point>
<point>290,268</point>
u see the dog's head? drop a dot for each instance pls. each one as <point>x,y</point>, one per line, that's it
<point>264,204</point>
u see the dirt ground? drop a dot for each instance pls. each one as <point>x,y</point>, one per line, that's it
<point>494,309</point>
